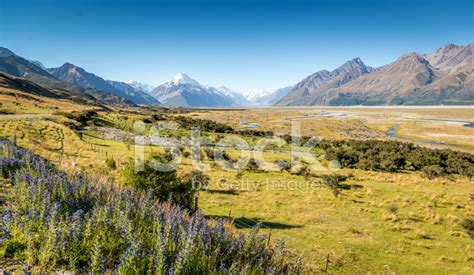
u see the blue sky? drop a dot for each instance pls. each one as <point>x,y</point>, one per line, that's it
<point>244,45</point>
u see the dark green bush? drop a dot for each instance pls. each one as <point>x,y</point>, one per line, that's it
<point>394,156</point>
<point>468,225</point>
<point>303,171</point>
<point>253,165</point>
<point>433,171</point>
<point>198,179</point>
<point>186,154</point>
<point>283,165</point>
<point>111,164</point>
<point>166,185</point>
<point>333,182</point>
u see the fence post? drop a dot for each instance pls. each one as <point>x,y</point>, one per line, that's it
<point>269,237</point>
<point>327,264</point>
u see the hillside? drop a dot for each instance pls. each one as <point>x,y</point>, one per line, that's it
<point>22,85</point>
<point>443,77</point>
<point>21,67</point>
<point>76,75</point>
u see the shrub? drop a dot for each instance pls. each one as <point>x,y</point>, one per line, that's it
<point>395,156</point>
<point>207,125</point>
<point>111,164</point>
<point>198,179</point>
<point>186,154</point>
<point>433,171</point>
<point>239,174</point>
<point>253,165</point>
<point>283,165</point>
<point>165,184</point>
<point>303,171</point>
<point>468,225</point>
<point>333,182</point>
<point>209,152</point>
<point>392,208</point>
<point>81,117</point>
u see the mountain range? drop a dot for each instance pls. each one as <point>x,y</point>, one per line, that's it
<point>77,75</point>
<point>445,76</point>
<point>19,67</point>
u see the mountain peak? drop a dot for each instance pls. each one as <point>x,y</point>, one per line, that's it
<point>67,64</point>
<point>70,67</point>
<point>182,78</point>
<point>356,60</point>
<point>353,68</point>
<point>410,55</point>
<point>354,63</point>
<point>448,47</point>
<point>256,94</point>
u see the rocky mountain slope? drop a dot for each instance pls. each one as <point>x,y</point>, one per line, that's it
<point>311,89</point>
<point>18,66</point>
<point>442,77</point>
<point>20,84</point>
<point>77,75</point>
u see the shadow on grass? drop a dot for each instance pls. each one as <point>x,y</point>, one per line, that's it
<point>350,186</point>
<point>244,222</point>
<point>98,121</point>
<point>224,192</point>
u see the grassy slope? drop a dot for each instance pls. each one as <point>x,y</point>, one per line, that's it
<point>356,229</point>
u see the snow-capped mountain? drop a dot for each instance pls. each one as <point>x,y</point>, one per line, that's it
<point>266,98</point>
<point>238,98</point>
<point>184,91</point>
<point>255,95</point>
<point>140,86</point>
<point>182,78</point>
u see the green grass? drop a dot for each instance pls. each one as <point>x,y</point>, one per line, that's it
<point>357,229</point>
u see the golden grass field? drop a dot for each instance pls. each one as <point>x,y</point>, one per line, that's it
<point>428,124</point>
<point>383,223</point>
